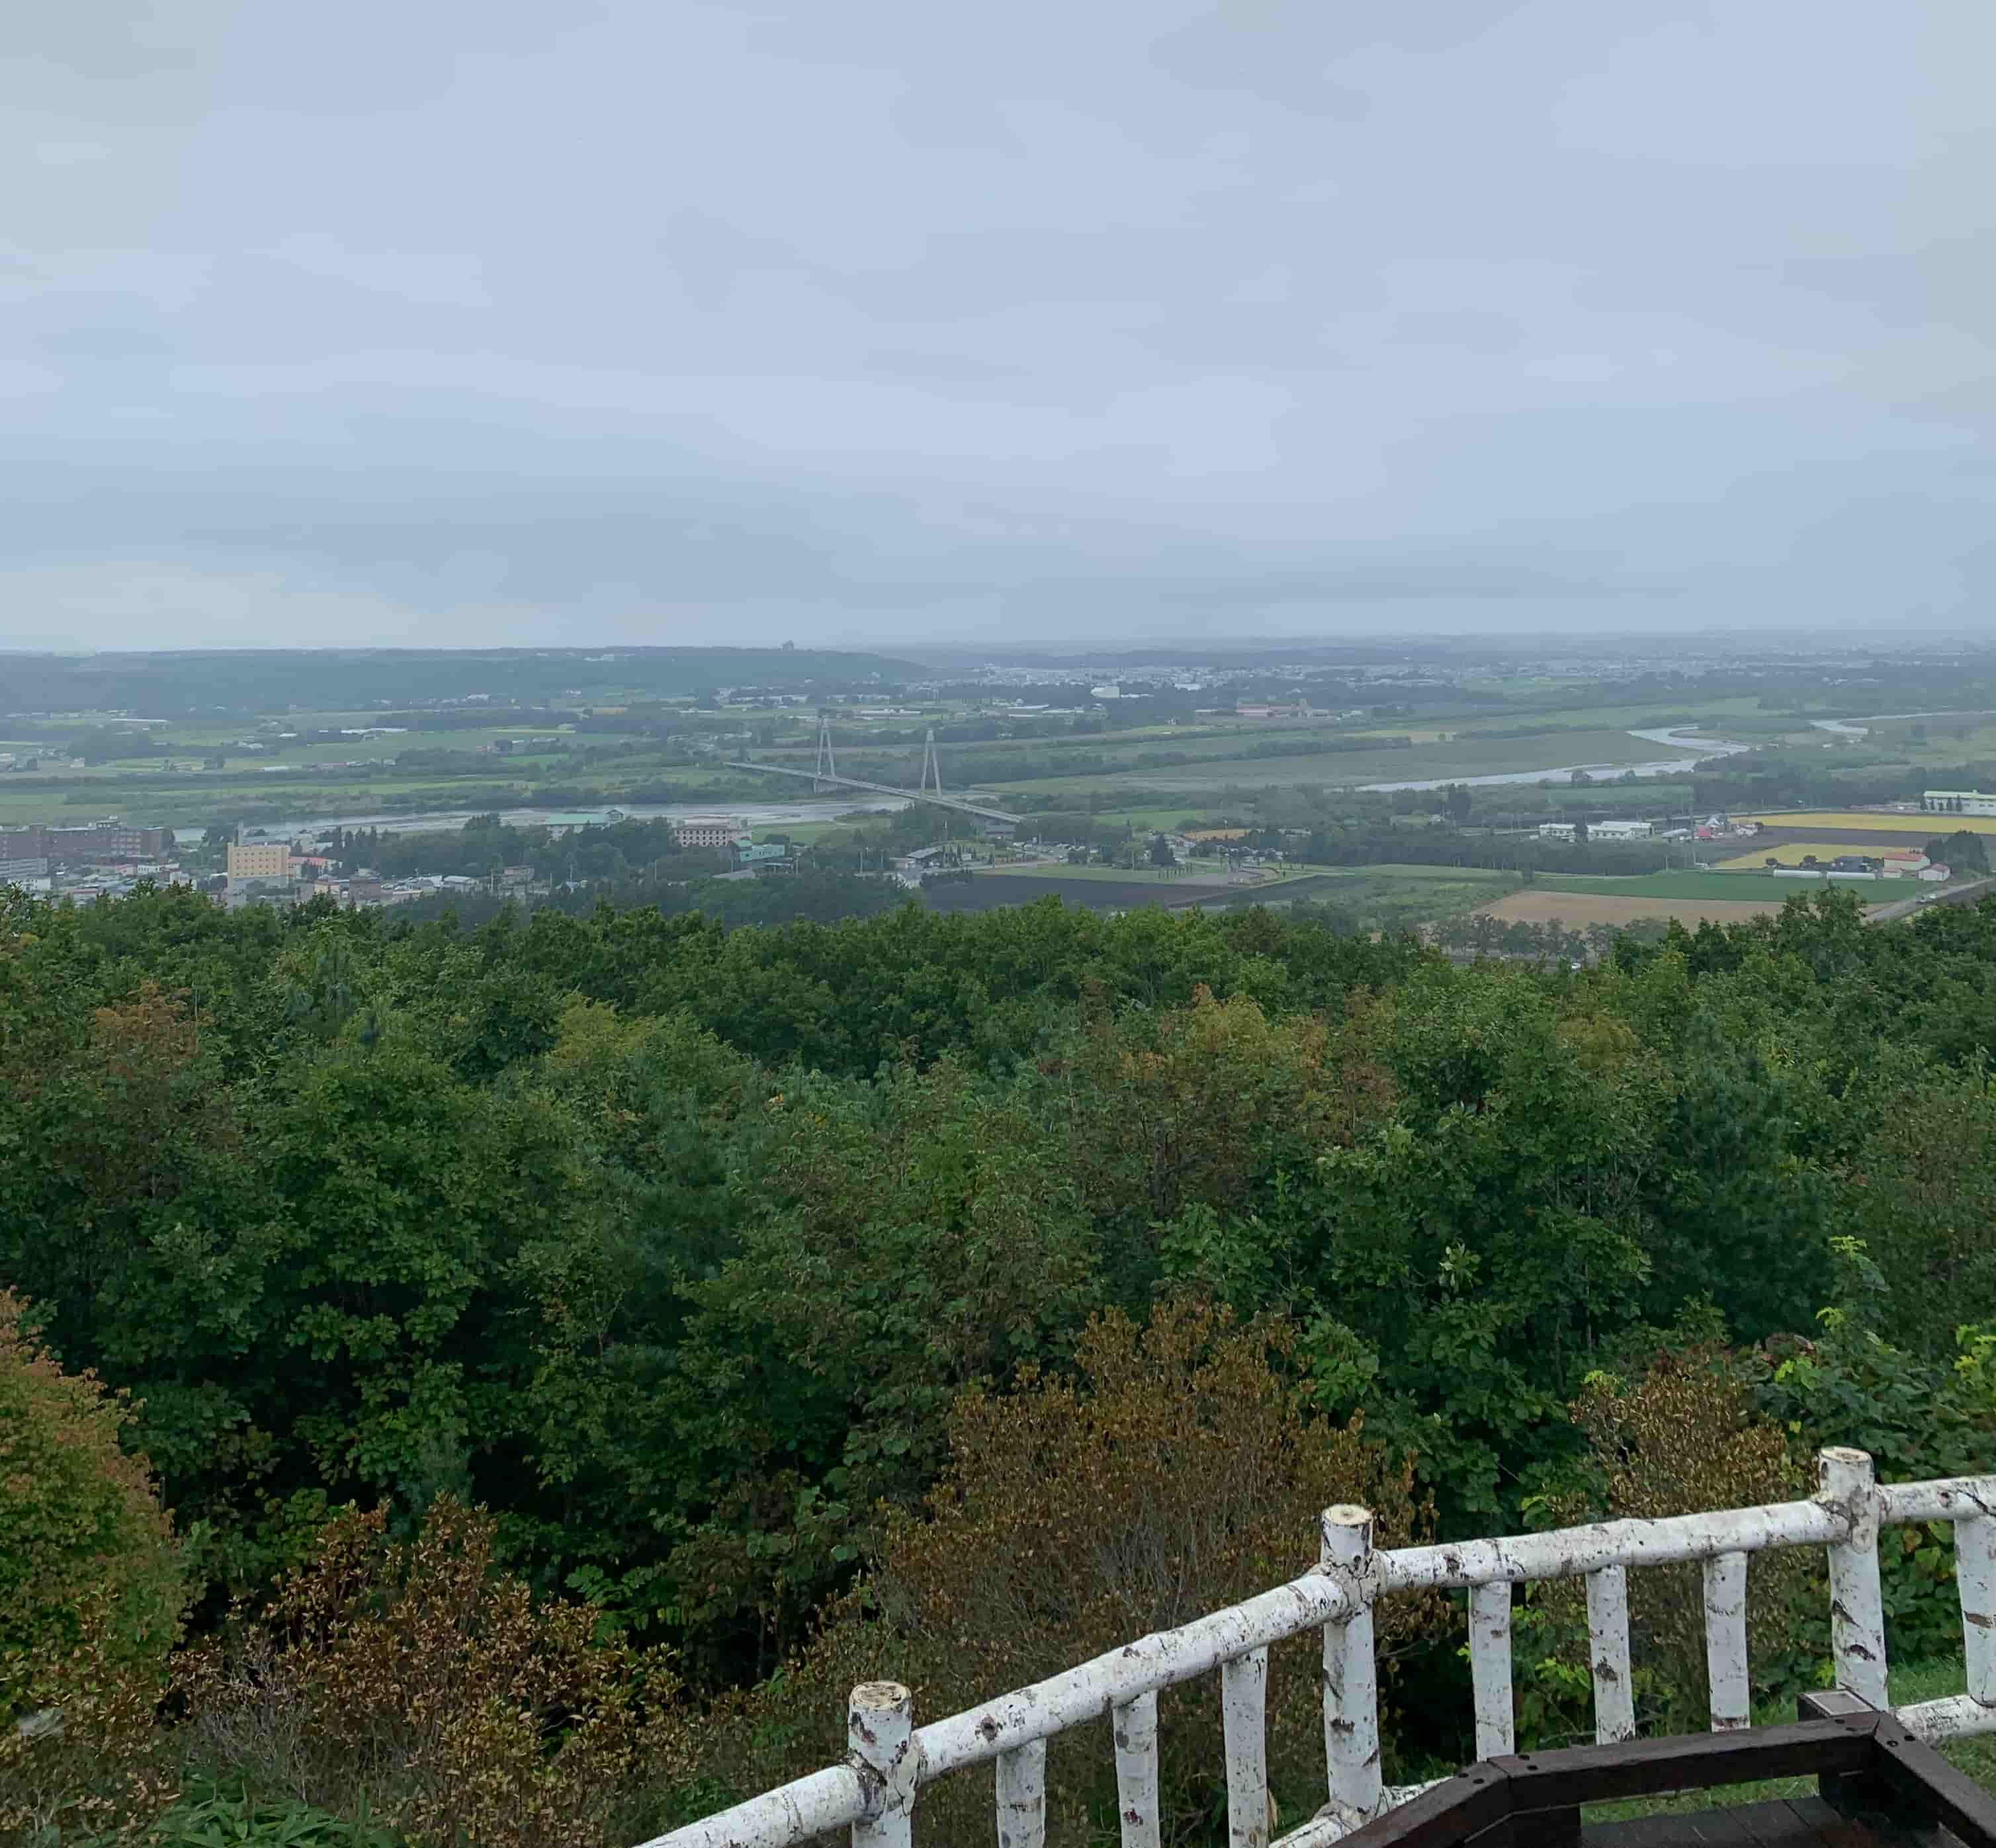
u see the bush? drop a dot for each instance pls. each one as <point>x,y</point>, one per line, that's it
<point>90,1599</point>
<point>238,1820</point>
<point>79,1526</point>
<point>413,1679</point>
<point>1686,1435</point>
<point>1178,1473</point>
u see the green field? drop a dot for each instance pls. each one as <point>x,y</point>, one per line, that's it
<point>1207,875</point>
<point>1382,897</point>
<point>1400,870</point>
<point>1301,788</point>
<point>1709,716</point>
<point>1461,757</point>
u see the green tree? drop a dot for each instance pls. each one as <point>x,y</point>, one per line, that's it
<point>1188,1428</point>
<point>908,1242</point>
<point>1964,850</point>
<point>91,1594</point>
<point>82,1536</point>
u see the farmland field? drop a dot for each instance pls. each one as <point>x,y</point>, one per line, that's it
<point>1202,874</point>
<point>1577,910</point>
<point>1384,897</point>
<point>1733,888</point>
<point>1461,757</point>
<point>1792,852</point>
<point>1401,870</point>
<point>984,893</point>
<point>1706,717</point>
<point>1380,897</point>
<point>1923,827</point>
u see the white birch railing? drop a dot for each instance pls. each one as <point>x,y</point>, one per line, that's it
<point>874,1791</point>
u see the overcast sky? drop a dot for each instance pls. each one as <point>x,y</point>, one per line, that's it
<point>467,321</point>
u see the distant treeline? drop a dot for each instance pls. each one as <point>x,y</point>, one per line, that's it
<point>485,844</point>
<point>1758,779</point>
<point>167,685</point>
<point>773,899</point>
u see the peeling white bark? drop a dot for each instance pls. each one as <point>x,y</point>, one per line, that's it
<point>1572,1552</point>
<point>1350,1673</point>
<point>1244,1701</point>
<point>1607,1655</point>
<point>880,1726</point>
<point>1134,1724</point>
<point>1726,1641</point>
<point>1856,1610</point>
<point>1490,1667</point>
<point>1975,1579</point>
<point>873,1792</point>
<point>1022,1796</point>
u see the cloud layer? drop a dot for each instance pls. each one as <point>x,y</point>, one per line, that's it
<point>487,320</point>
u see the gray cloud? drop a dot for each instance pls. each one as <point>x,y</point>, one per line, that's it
<point>747,318</point>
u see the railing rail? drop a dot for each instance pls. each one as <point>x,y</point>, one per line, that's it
<point>875,1791</point>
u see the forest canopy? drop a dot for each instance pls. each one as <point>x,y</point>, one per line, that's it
<point>726,1285</point>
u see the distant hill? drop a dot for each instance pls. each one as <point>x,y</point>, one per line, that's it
<point>170,682</point>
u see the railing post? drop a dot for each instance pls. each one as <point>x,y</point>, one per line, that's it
<point>1134,1725</point>
<point>1857,1611</point>
<point>1351,1675</point>
<point>1490,1667</point>
<point>880,1721</point>
<point>1975,1580</point>
<point>1243,1714</point>
<point>1608,1655</point>
<point>1726,1641</point>
<point>1022,1796</point>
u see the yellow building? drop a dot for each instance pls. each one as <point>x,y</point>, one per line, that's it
<point>263,860</point>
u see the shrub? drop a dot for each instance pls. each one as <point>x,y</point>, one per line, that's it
<point>1685,1436</point>
<point>414,1677</point>
<point>1177,1474</point>
<point>90,1599</point>
<point>219,1819</point>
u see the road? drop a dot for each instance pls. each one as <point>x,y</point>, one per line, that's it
<point>1954,894</point>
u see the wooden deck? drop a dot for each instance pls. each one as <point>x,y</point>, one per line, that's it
<point>1795,1822</point>
<point>1877,1787</point>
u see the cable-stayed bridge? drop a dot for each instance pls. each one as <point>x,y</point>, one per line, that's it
<point>824,775</point>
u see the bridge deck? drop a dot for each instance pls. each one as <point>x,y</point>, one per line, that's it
<point>981,810</point>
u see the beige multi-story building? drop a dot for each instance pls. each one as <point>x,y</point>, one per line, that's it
<point>259,859</point>
<point>709,831</point>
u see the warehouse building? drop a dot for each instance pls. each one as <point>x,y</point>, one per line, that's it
<point>1958,802</point>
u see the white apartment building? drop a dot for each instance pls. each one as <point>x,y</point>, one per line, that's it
<point>709,831</point>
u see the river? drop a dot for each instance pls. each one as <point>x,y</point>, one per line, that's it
<point>1701,748</point>
<point>777,814</point>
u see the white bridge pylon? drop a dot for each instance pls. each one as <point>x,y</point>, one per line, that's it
<point>828,766</point>
<point>824,773</point>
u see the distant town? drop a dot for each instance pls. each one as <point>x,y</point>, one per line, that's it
<point>1404,785</point>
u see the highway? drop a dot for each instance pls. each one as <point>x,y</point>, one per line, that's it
<point>1971,893</point>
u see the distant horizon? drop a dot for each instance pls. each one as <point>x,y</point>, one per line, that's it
<point>1730,637</point>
